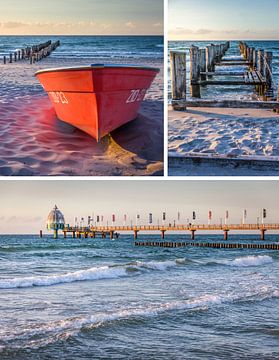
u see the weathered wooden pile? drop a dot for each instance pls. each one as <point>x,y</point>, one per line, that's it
<point>32,53</point>
<point>203,63</point>
<point>219,245</point>
<point>260,69</point>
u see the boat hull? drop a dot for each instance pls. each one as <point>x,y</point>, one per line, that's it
<point>97,99</point>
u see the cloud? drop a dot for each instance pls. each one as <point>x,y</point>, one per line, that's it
<point>25,219</point>
<point>13,24</point>
<point>186,31</point>
<point>130,24</point>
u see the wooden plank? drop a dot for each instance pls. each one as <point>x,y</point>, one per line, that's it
<point>230,104</point>
<point>255,77</point>
<point>236,63</point>
<point>225,82</point>
<point>251,80</point>
<point>223,73</point>
<point>261,78</point>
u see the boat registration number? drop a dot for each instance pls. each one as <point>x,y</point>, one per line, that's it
<point>58,97</point>
<point>136,95</point>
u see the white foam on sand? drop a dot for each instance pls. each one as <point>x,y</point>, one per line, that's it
<point>34,142</point>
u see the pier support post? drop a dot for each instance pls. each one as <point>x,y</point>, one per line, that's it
<point>202,56</point>
<point>79,235</point>
<point>178,77</point>
<point>74,234</point>
<point>193,234</point>
<point>263,234</point>
<point>41,233</point>
<point>195,72</point>
<point>163,234</point>
<point>278,99</point>
<point>55,234</point>
<point>5,60</point>
<point>65,234</point>
<point>268,73</point>
<point>11,58</point>
<point>103,235</point>
<point>226,234</point>
<point>136,234</point>
<point>255,59</point>
<point>85,235</point>
<point>111,234</point>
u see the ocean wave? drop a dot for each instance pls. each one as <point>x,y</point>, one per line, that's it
<point>73,325</point>
<point>94,273</point>
<point>249,261</point>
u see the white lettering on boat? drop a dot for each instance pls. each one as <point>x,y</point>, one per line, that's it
<point>136,95</point>
<point>58,97</point>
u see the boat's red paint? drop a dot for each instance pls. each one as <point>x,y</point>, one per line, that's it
<point>99,98</point>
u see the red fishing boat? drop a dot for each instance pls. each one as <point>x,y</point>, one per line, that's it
<point>98,98</point>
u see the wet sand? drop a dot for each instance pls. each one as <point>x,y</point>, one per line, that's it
<point>33,142</point>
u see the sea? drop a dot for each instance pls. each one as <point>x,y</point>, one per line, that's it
<point>107,299</point>
<point>105,47</point>
<point>227,92</point>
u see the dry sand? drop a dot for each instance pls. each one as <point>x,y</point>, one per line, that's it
<point>34,142</point>
<point>250,134</point>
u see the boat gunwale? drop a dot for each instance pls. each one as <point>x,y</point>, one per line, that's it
<point>98,66</point>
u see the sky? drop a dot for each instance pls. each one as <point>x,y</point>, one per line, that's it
<point>81,17</point>
<point>223,20</point>
<point>25,204</point>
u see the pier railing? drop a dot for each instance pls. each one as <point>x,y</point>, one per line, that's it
<point>93,231</point>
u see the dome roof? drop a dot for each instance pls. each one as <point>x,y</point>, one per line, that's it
<point>55,219</point>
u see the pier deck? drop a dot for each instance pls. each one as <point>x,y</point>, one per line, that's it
<point>111,231</point>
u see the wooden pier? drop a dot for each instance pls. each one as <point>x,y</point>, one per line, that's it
<point>203,72</point>
<point>112,231</point>
<point>32,53</point>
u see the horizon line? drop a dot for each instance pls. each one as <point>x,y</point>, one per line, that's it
<point>82,35</point>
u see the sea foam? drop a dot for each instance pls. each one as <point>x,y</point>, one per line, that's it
<point>94,273</point>
<point>249,261</point>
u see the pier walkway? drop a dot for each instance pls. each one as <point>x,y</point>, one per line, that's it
<point>112,231</point>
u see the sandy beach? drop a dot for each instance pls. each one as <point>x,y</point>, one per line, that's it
<point>34,142</point>
<point>250,134</point>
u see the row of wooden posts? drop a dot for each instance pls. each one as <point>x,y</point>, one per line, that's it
<point>202,68</point>
<point>32,53</point>
<point>219,245</point>
<point>202,63</point>
<point>261,61</point>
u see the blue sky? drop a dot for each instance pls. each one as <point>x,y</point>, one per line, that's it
<point>26,204</point>
<point>81,17</point>
<point>223,19</point>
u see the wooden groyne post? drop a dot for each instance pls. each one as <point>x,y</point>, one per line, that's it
<point>178,75</point>
<point>268,74</point>
<point>195,72</point>
<point>33,53</point>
